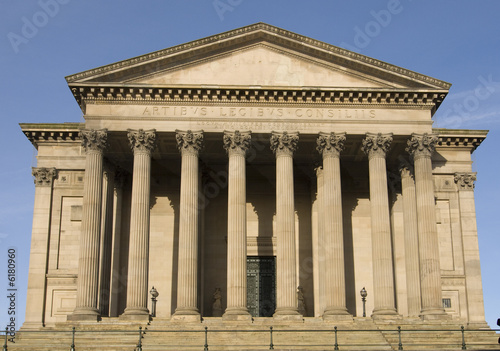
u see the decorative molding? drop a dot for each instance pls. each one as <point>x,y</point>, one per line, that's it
<point>141,140</point>
<point>187,95</point>
<point>460,141</point>
<point>284,143</point>
<point>421,145</point>
<point>43,176</point>
<point>330,144</point>
<point>376,145</point>
<point>237,142</point>
<point>190,142</point>
<point>406,170</point>
<point>51,134</point>
<point>273,34</point>
<point>94,140</point>
<point>465,180</point>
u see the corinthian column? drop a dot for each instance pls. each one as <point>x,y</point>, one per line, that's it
<point>330,146</point>
<point>411,239</point>
<point>142,143</point>
<point>236,145</point>
<point>284,145</point>
<point>421,147</point>
<point>475,305</point>
<point>94,143</point>
<point>35,311</point>
<point>376,147</point>
<point>189,144</point>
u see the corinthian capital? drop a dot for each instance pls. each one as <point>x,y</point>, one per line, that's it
<point>237,142</point>
<point>377,145</point>
<point>284,143</point>
<point>142,140</point>
<point>330,144</point>
<point>422,145</point>
<point>94,140</point>
<point>190,142</point>
<point>43,176</point>
<point>465,180</point>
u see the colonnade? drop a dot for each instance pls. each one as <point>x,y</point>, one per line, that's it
<point>421,241</point>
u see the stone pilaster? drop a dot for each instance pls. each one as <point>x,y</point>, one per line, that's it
<point>142,143</point>
<point>474,287</point>
<point>94,142</point>
<point>421,147</point>
<point>330,146</point>
<point>410,239</point>
<point>35,313</point>
<point>236,145</point>
<point>284,145</point>
<point>376,147</point>
<point>189,144</point>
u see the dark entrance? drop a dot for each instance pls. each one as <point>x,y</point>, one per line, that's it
<point>261,285</point>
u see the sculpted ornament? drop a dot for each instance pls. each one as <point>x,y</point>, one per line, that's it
<point>422,145</point>
<point>465,180</point>
<point>94,140</point>
<point>406,169</point>
<point>142,140</point>
<point>284,143</point>
<point>377,144</point>
<point>43,176</point>
<point>237,142</point>
<point>189,141</point>
<point>330,144</point>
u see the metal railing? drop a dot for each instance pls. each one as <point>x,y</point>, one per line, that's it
<point>68,337</point>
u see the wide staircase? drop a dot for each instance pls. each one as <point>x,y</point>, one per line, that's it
<point>262,334</point>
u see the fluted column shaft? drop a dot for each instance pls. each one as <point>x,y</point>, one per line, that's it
<point>142,143</point>
<point>376,146</point>
<point>189,144</point>
<point>284,145</point>
<point>94,142</point>
<point>411,240</point>
<point>35,311</point>
<point>106,240</point>
<point>330,146</point>
<point>236,145</point>
<point>421,148</point>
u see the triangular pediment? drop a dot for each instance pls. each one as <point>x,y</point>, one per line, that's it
<point>257,55</point>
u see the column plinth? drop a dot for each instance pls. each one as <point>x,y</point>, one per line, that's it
<point>142,144</point>
<point>189,144</point>
<point>236,145</point>
<point>376,147</point>
<point>330,146</point>
<point>421,148</point>
<point>284,145</point>
<point>94,142</point>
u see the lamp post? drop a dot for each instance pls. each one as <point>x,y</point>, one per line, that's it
<point>154,294</point>
<point>363,298</point>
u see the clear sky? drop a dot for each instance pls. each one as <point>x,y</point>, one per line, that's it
<point>43,41</point>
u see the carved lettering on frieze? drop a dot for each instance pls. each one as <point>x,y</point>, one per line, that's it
<point>377,145</point>
<point>191,142</point>
<point>465,180</point>
<point>43,176</point>
<point>284,143</point>
<point>330,144</point>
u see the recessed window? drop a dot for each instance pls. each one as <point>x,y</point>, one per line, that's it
<point>446,303</point>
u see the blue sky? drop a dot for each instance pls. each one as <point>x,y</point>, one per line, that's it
<point>41,43</point>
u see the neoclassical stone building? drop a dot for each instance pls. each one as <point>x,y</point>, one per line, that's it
<point>254,173</point>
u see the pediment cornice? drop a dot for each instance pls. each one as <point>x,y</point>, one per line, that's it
<point>249,35</point>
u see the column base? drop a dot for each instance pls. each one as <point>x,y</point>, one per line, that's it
<point>135,314</point>
<point>236,314</point>
<point>32,326</point>
<point>337,314</point>
<point>386,314</point>
<point>288,314</point>
<point>434,314</point>
<point>186,314</point>
<point>84,314</point>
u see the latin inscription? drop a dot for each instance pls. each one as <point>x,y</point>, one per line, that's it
<point>256,112</point>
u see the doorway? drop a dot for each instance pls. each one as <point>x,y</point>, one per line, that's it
<point>261,285</point>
